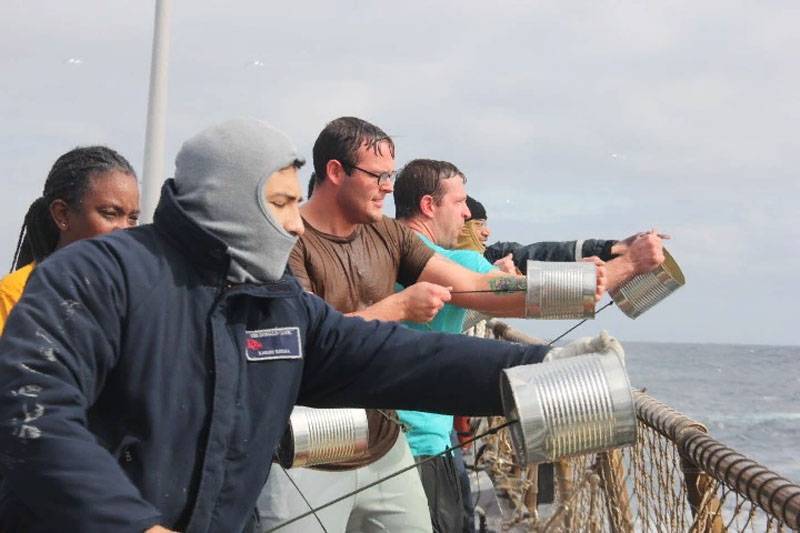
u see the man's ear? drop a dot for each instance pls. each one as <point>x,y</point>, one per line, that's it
<point>426,204</point>
<point>335,171</point>
<point>59,211</point>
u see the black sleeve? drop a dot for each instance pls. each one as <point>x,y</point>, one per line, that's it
<point>354,363</point>
<point>499,250</point>
<point>548,251</point>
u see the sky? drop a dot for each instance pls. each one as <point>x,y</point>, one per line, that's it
<point>570,120</point>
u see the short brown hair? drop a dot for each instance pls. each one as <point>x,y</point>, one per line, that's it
<point>418,178</point>
<point>341,139</point>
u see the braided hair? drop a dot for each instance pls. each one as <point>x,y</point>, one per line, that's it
<point>68,180</point>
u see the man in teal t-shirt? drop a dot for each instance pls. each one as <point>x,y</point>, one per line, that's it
<point>429,433</point>
<point>430,199</point>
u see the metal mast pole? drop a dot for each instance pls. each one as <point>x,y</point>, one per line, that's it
<point>153,173</point>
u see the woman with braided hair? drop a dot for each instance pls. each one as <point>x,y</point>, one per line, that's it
<point>89,191</point>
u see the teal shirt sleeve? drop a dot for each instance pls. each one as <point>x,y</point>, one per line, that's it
<point>451,317</point>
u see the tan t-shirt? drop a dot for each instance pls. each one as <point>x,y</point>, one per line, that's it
<point>352,273</point>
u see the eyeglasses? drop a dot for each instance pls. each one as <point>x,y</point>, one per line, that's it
<point>479,223</point>
<point>385,178</point>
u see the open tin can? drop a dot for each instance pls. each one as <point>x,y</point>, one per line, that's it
<point>643,291</point>
<point>558,290</point>
<point>568,407</point>
<point>322,436</point>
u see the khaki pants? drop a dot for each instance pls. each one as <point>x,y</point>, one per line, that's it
<point>396,505</point>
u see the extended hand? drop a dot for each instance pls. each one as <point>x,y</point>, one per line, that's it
<point>506,264</point>
<point>621,247</point>
<point>602,344</point>
<point>423,300</point>
<point>602,277</point>
<point>645,251</point>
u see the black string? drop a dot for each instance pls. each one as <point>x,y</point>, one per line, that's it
<point>300,492</point>
<point>579,324</point>
<point>314,510</point>
<point>496,291</point>
<point>521,290</point>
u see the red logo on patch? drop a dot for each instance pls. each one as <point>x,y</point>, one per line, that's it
<point>253,344</point>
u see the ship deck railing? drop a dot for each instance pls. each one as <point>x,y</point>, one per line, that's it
<point>677,477</point>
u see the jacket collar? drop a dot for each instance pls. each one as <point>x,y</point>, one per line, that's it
<point>207,252</point>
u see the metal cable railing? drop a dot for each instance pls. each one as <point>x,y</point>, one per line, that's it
<point>676,478</point>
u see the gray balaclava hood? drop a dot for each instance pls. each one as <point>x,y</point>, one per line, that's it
<point>220,175</point>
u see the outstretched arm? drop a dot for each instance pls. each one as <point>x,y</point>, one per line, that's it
<point>640,253</point>
<point>498,294</point>
<point>637,254</point>
<point>351,362</point>
<point>418,303</point>
<point>57,350</point>
<point>550,251</point>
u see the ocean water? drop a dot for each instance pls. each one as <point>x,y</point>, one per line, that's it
<point>747,396</point>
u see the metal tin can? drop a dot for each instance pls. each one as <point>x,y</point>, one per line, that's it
<point>643,291</point>
<point>568,407</point>
<point>560,290</point>
<point>322,436</point>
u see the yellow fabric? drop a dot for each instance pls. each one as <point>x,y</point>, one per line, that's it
<point>468,238</point>
<point>11,288</point>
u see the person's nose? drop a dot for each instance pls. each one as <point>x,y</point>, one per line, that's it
<point>387,186</point>
<point>294,224</point>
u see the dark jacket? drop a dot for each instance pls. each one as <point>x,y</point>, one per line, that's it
<point>548,251</point>
<point>138,388</point>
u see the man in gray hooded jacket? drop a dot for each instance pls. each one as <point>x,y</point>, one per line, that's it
<point>147,375</point>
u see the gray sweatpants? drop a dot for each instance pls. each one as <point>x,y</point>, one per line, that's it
<point>396,505</point>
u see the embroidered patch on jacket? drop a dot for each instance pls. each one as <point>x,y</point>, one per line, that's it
<point>275,343</point>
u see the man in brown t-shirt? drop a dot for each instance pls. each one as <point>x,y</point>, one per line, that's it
<point>352,274</point>
<point>351,255</point>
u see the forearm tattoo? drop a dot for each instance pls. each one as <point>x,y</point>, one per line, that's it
<point>502,284</point>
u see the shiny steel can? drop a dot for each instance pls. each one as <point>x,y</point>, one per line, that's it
<point>560,290</point>
<point>568,407</point>
<point>643,291</point>
<point>322,436</point>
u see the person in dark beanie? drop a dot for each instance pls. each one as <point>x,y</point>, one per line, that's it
<point>149,373</point>
<point>507,255</point>
<point>475,232</point>
<point>476,209</point>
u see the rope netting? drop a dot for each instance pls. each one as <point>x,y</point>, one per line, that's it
<point>675,478</point>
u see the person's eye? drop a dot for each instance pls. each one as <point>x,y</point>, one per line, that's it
<point>108,214</point>
<point>134,219</point>
<point>279,204</point>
